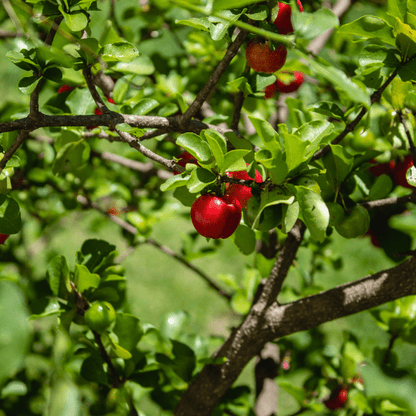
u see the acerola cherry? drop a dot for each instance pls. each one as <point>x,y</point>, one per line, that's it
<point>216,216</point>
<point>386,168</point>
<point>241,192</point>
<point>270,90</point>
<point>185,158</point>
<point>65,88</point>
<point>283,20</point>
<point>262,59</point>
<point>100,316</point>
<point>337,399</point>
<point>293,85</point>
<point>3,238</point>
<point>356,224</point>
<point>400,171</point>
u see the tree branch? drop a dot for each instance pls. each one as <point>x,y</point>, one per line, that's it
<point>390,201</point>
<point>214,78</point>
<point>21,137</point>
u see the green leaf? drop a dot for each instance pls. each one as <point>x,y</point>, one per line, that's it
<point>380,188</point>
<point>294,150</point>
<point>75,153</point>
<point>245,239</point>
<point>92,369</point>
<point>313,133</point>
<point>28,84</point>
<point>338,163</point>
<point>231,4</point>
<point>370,27</point>
<point>10,220</point>
<point>98,253</point>
<point>121,51</point>
<point>173,324</point>
<point>270,198</point>
<point>399,91</point>
<point>196,23</point>
<point>195,146</point>
<point>397,8</point>
<point>141,65</point>
<point>259,13</point>
<point>14,330</point>
<point>64,398</point>
<point>83,279</point>
<point>53,74</point>
<point>174,182</point>
<point>219,27</point>
<point>22,62</point>
<point>144,106</point>
<point>377,55</point>
<point>218,147</point>
<point>310,25</point>
<point>267,134</point>
<point>76,21</point>
<point>327,108</point>
<point>239,302</point>
<point>185,361</point>
<point>200,179</point>
<point>276,165</point>
<point>299,394</point>
<point>314,212</point>
<point>58,276</point>
<point>128,331</point>
<point>405,39</point>
<point>234,160</point>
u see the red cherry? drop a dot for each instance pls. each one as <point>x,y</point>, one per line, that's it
<point>400,171</point>
<point>216,216</point>
<point>293,85</point>
<point>3,238</point>
<point>283,20</point>
<point>386,168</point>
<point>185,158</point>
<point>270,90</point>
<point>262,59</point>
<point>110,100</point>
<point>337,399</point>
<point>241,192</point>
<point>65,88</point>
<point>374,240</point>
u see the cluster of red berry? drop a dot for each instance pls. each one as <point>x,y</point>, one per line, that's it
<point>396,170</point>
<point>261,58</point>
<point>218,216</point>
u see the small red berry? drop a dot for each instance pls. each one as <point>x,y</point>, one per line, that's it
<point>241,192</point>
<point>270,90</point>
<point>216,216</point>
<point>65,88</point>
<point>185,158</point>
<point>283,20</point>
<point>3,238</point>
<point>293,85</point>
<point>400,171</point>
<point>261,58</point>
<point>337,399</point>
<point>386,168</point>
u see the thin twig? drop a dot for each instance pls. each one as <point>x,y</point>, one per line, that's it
<point>390,201</point>
<point>21,137</point>
<point>185,262</point>
<point>6,35</point>
<point>214,78</point>
<point>94,93</point>
<point>389,348</point>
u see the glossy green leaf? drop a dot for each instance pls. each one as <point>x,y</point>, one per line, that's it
<point>200,179</point>
<point>185,361</point>
<point>219,27</point>
<point>122,51</point>
<point>145,106</point>
<point>230,4</point>
<point>298,393</point>
<point>399,91</point>
<point>327,108</point>
<point>239,302</point>
<point>218,147</point>
<point>234,160</point>
<point>381,188</point>
<point>268,134</point>
<point>195,146</point>
<point>245,239</point>
<point>338,163</point>
<point>28,84</point>
<point>290,216</point>
<point>83,279</point>
<point>128,331</point>
<point>397,8</point>
<point>173,324</point>
<point>174,182</point>
<point>14,330</point>
<point>295,150</point>
<point>141,65</point>
<point>310,25</point>
<point>58,276</point>
<point>76,21</point>
<point>405,39</point>
<point>314,212</point>
<point>92,369</point>
<point>377,55</point>
<point>10,219</point>
<point>276,165</point>
<point>196,23</point>
<point>368,27</point>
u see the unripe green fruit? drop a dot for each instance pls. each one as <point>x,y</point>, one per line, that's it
<point>336,213</point>
<point>100,316</point>
<point>356,224</point>
<point>362,140</point>
<point>270,218</point>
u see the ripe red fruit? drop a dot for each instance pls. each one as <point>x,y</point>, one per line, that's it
<point>400,171</point>
<point>241,192</point>
<point>216,216</point>
<point>283,20</point>
<point>293,85</point>
<point>185,158</point>
<point>270,90</point>
<point>262,59</point>
<point>65,88</point>
<point>3,238</point>
<point>337,399</point>
<point>386,168</point>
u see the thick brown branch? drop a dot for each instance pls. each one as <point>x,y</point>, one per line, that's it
<point>214,78</point>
